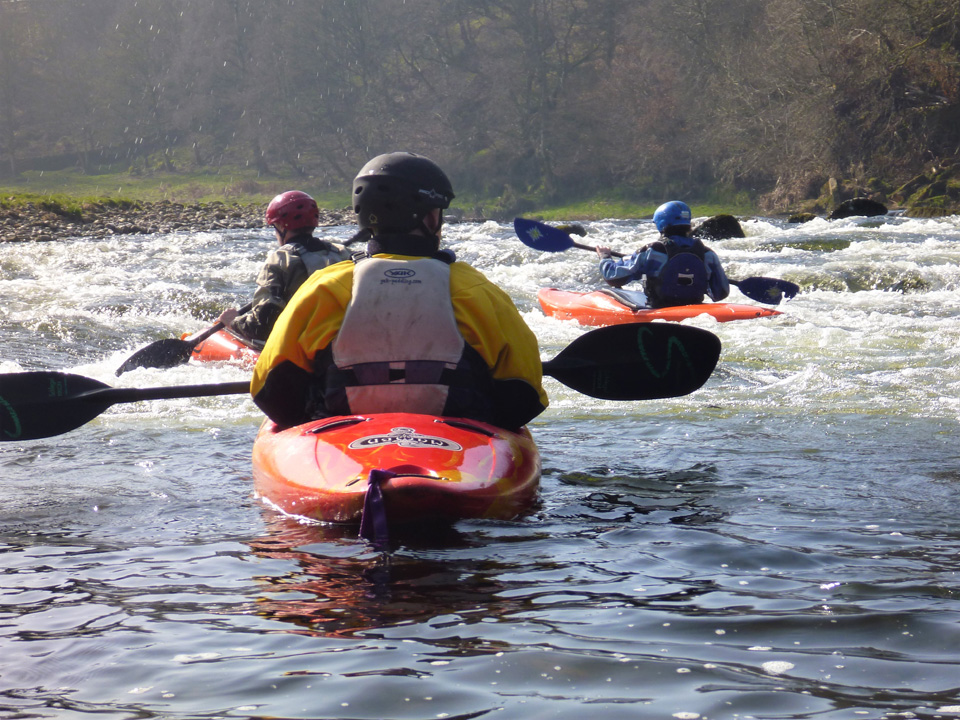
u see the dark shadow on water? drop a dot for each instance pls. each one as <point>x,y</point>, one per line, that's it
<point>633,493</point>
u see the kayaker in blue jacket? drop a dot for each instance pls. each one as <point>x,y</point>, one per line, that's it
<point>405,327</point>
<point>677,269</point>
<point>293,216</point>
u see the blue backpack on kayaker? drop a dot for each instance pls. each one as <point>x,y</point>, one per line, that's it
<point>683,278</point>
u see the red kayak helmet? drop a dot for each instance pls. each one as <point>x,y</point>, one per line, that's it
<point>293,210</point>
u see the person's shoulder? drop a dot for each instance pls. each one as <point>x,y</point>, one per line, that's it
<point>279,251</point>
<point>326,245</point>
<point>644,252</point>
<point>467,281</point>
<point>339,272</point>
<point>465,273</point>
<point>338,269</point>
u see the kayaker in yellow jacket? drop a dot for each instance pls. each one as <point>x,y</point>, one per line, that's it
<point>403,327</point>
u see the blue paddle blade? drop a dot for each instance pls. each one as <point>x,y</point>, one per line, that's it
<point>541,236</point>
<point>771,291</point>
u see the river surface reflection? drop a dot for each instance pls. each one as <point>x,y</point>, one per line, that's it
<point>780,544</point>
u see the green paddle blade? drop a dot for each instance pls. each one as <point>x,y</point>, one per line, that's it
<point>639,361</point>
<point>43,404</point>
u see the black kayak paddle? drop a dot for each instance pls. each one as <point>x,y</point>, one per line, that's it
<point>43,404</point>
<point>637,361</point>
<point>640,361</point>
<point>170,352</point>
<point>548,238</point>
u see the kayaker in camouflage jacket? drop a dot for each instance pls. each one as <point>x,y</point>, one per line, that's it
<point>293,215</point>
<point>404,327</point>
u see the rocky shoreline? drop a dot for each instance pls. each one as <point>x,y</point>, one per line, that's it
<point>934,193</point>
<point>33,223</point>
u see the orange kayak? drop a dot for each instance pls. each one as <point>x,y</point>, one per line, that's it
<point>600,309</point>
<point>426,468</point>
<point>224,346</point>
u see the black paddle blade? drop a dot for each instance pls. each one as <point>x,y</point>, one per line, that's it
<point>160,354</point>
<point>639,361</point>
<point>171,352</point>
<point>43,404</point>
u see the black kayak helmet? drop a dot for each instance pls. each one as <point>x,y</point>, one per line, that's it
<point>394,192</point>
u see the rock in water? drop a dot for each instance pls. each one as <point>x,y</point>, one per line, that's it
<point>858,206</point>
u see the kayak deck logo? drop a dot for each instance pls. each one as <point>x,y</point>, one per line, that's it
<point>407,438</point>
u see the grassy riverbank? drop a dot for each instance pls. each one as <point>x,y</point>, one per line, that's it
<point>71,191</point>
<point>187,188</point>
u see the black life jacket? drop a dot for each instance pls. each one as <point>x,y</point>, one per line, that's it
<point>683,278</point>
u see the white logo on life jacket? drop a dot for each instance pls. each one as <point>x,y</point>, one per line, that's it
<point>400,273</point>
<point>405,437</point>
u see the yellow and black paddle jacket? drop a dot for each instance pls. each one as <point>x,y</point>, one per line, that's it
<point>407,331</point>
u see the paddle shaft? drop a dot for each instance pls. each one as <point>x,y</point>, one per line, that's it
<point>112,396</point>
<point>591,247</point>
<point>640,361</point>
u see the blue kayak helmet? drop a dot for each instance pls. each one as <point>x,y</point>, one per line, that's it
<point>670,214</point>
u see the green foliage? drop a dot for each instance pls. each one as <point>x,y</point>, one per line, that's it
<point>599,208</point>
<point>70,191</point>
<point>65,204</point>
<point>824,245</point>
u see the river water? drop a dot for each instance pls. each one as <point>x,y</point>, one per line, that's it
<point>780,544</point>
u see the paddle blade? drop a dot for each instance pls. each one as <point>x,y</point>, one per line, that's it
<point>639,361</point>
<point>160,354</point>
<point>171,352</point>
<point>541,236</point>
<point>43,404</point>
<point>770,291</point>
